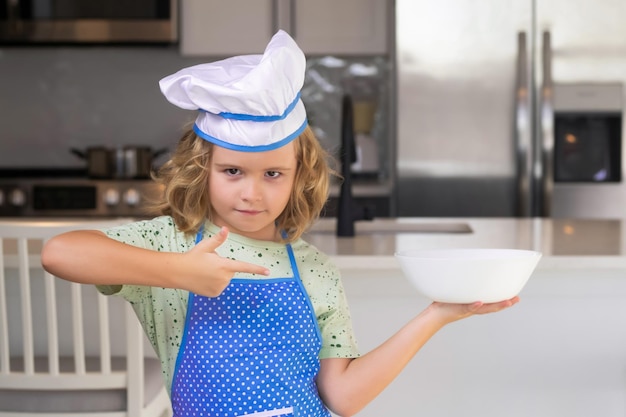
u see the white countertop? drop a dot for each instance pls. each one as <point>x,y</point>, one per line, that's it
<point>565,243</point>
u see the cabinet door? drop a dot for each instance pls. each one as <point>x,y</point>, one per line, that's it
<point>225,28</point>
<point>356,27</point>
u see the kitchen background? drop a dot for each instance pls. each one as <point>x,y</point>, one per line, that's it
<point>454,95</point>
<point>75,94</point>
<point>454,101</point>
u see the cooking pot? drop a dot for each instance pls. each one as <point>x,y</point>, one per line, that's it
<point>138,161</point>
<point>99,161</point>
<point>122,162</point>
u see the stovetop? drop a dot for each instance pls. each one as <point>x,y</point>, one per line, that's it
<point>14,173</point>
<point>40,192</point>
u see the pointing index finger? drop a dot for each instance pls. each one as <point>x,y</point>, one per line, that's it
<point>245,267</point>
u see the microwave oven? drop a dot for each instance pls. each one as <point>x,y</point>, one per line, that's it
<point>80,21</point>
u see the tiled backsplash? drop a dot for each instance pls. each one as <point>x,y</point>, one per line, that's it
<point>56,98</point>
<point>366,80</point>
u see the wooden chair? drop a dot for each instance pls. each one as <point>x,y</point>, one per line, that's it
<point>65,349</point>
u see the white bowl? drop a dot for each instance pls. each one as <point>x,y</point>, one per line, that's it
<point>468,275</point>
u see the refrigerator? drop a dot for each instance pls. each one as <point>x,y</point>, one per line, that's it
<point>510,108</point>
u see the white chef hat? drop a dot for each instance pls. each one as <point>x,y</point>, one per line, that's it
<point>246,103</point>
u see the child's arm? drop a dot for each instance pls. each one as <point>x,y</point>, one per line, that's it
<point>348,385</point>
<point>90,257</point>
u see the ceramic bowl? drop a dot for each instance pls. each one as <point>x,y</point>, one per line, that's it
<point>468,275</point>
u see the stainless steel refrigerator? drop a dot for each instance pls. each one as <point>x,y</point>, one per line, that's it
<point>510,108</point>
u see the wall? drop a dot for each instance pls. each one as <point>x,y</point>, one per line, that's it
<point>55,98</point>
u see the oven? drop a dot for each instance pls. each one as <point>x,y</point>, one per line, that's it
<point>80,21</point>
<point>76,196</point>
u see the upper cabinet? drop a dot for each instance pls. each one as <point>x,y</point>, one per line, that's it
<point>355,27</point>
<point>225,27</point>
<point>232,27</point>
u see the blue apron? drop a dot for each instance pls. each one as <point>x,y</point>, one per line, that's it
<point>251,351</point>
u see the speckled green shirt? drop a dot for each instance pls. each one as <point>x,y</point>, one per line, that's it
<point>162,310</point>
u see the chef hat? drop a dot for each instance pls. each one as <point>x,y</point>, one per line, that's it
<point>246,103</point>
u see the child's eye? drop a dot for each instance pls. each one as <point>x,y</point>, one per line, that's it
<point>232,171</point>
<point>273,174</point>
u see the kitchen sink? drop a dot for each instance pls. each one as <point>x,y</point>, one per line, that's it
<point>394,226</point>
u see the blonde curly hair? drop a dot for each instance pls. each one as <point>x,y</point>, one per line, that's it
<point>185,182</point>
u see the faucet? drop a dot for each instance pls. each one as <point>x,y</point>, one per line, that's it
<point>348,211</point>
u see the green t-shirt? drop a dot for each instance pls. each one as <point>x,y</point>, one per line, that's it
<point>162,311</point>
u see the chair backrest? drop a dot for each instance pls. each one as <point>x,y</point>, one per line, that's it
<point>56,336</point>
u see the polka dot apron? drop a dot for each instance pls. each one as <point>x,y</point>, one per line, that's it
<point>251,351</point>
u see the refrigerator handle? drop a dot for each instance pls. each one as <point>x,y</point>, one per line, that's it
<point>545,147</point>
<point>523,134</point>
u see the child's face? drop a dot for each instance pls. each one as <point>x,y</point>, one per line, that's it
<point>249,190</point>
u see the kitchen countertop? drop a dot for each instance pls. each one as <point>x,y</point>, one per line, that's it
<point>365,188</point>
<point>564,243</point>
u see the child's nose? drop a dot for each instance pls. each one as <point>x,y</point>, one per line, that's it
<point>251,190</point>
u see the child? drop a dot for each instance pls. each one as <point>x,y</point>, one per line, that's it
<point>245,316</point>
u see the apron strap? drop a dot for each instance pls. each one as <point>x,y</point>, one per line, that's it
<point>199,234</point>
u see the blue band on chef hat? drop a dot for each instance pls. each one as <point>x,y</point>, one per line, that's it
<point>245,148</point>
<point>255,118</point>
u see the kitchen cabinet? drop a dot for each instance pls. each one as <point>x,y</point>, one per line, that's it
<point>217,27</point>
<point>341,27</point>
<point>225,28</point>
<point>546,356</point>
<point>560,352</point>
